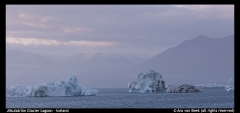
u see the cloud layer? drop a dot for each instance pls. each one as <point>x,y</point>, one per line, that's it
<point>144,30</point>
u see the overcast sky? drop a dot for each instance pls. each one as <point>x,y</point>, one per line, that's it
<point>129,30</point>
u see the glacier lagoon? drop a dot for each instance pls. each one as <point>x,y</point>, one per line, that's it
<point>121,98</point>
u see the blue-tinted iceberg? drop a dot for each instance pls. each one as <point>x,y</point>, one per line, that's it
<point>169,88</point>
<point>147,83</point>
<point>230,85</point>
<point>68,87</point>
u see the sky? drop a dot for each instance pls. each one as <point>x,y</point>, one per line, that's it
<point>128,30</point>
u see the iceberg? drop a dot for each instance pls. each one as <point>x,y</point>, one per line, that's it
<point>17,90</point>
<point>230,85</point>
<point>68,87</point>
<point>185,88</point>
<point>210,85</point>
<point>169,87</point>
<point>147,83</point>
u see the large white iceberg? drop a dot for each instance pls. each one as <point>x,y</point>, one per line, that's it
<point>185,88</point>
<point>230,85</point>
<point>68,87</point>
<point>149,82</point>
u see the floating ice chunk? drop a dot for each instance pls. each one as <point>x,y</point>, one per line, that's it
<point>38,91</point>
<point>149,82</point>
<point>169,87</point>
<point>68,87</point>
<point>185,88</point>
<point>230,85</point>
<point>17,90</point>
<point>88,91</point>
<point>55,90</point>
<point>213,85</point>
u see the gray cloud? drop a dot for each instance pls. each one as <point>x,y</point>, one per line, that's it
<point>136,28</point>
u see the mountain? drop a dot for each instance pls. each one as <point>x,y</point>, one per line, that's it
<point>92,68</point>
<point>23,58</point>
<point>100,59</point>
<point>199,60</point>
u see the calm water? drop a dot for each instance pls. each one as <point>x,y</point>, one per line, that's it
<point>120,98</point>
